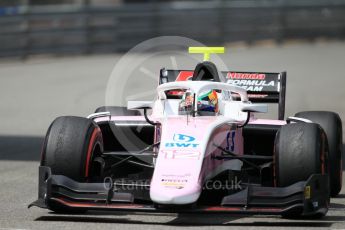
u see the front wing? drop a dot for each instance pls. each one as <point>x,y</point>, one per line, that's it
<point>307,198</point>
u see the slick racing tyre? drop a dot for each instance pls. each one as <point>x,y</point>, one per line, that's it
<point>300,150</point>
<point>69,148</point>
<point>332,125</point>
<point>118,111</point>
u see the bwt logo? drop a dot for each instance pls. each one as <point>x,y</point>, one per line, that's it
<point>183,138</point>
<point>182,141</point>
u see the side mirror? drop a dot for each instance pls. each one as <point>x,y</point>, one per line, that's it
<point>132,105</point>
<point>256,108</point>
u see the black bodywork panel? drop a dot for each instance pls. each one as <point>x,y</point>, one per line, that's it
<point>306,197</point>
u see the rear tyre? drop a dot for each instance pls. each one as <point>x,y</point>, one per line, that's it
<point>118,111</point>
<point>69,148</point>
<point>300,150</point>
<point>332,125</point>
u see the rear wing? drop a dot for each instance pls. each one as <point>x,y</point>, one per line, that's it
<point>261,87</point>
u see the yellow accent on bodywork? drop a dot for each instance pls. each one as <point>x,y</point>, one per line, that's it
<point>206,51</point>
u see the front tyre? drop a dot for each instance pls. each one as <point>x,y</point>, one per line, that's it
<point>332,125</point>
<point>300,150</point>
<point>69,148</point>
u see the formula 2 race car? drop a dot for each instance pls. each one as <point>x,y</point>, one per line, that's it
<point>199,150</point>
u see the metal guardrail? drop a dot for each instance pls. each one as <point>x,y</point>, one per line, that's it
<point>85,29</point>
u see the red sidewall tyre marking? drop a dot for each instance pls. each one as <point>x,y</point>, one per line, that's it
<point>90,149</point>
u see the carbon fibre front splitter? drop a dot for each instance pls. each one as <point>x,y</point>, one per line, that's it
<point>154,208</point>
<point>306,198</point>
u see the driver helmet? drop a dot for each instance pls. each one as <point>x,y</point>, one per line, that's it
<point>206,102</point>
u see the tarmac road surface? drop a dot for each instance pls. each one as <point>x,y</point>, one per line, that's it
<point>34,92</point>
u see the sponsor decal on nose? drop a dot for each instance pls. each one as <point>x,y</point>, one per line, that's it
<point>182,141</point>
<point>183,138</point>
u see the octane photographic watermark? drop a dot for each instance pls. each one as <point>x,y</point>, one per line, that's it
<point>131,185</point>
<point>234,184</point>
<point>125,184</point>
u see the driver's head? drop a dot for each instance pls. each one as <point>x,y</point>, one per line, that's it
<point>206,102</point>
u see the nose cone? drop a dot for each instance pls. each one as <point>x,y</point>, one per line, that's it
<point>175,185</point>
<point>177,178</point>
<point>176,181</point>
<point>164,196</point>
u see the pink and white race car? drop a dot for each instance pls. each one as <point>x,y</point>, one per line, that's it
<point>182,158</point>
